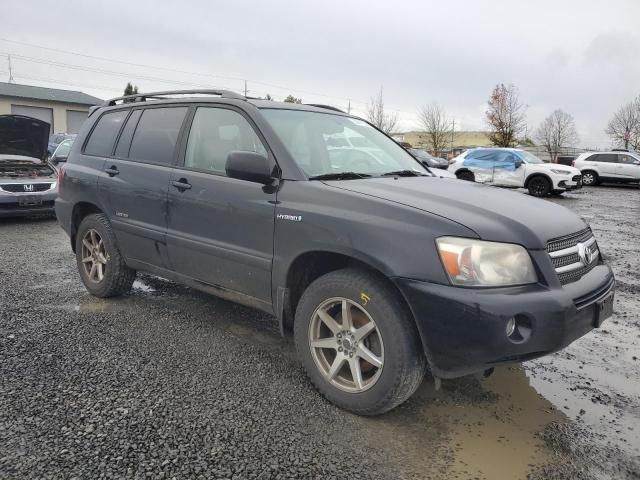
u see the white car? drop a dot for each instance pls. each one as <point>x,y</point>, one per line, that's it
<point>516,168</point>
<point>613,166</point>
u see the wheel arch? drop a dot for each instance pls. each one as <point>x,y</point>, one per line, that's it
<point>464,170</point>
<point>537,174</point>
<point>79,212</point>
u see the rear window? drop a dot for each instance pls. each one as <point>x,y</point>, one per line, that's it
<point>156,136</point>
<point>100,142</point>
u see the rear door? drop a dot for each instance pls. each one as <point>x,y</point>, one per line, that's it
<point>627,168</point>
<point>481,163</point>
<point>607,164</point>
<point>136,178</point>
<point>220,228</point>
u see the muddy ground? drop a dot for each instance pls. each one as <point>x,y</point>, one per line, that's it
<point>171,383</point>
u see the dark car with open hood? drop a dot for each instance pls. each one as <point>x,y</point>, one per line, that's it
<point>28,182</point>
<point>379,269</point>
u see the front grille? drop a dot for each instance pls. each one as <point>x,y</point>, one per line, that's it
<point>17,206</point>
<point>565,257</point>
<point>576,178</point>
<point>20,187</point>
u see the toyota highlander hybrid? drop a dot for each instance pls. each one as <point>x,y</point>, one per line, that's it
<point>27,180</point>
<point>379,269</point>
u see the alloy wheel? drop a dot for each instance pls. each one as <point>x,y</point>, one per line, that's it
<point>538,187</point>
<point>346,345</point>
<point>94,256</point>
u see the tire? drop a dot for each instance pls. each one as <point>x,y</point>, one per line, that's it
<point>111,277</point>
<point>393,340</point>
<point>466,175</point>
<point>589,178</point>
<point>539,186</point>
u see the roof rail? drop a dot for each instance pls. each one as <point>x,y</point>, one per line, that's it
<point>328,107</point>
<point>142,97</point>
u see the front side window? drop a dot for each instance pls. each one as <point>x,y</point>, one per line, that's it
<point>325,143</point>
<point>100,142</point>
<point>156,135</point>
<point>214,134</point>
<point>626,159</point>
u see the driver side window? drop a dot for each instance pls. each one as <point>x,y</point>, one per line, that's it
<point>216,132</point>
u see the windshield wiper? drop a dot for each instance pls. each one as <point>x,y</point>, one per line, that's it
<point>404,173</point>
<point>340,176</point>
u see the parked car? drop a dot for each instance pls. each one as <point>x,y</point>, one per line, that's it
<point>515,168</point>
<point>27,180</point>
<point>614,166</point>
<point>427,159</point>
<point>56,139</point>
<point>378,269</point>
<point>61,152</point>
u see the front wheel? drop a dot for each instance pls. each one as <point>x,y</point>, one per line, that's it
<point>358,343</point>
<point>539,187</point>
<point>100,263</point>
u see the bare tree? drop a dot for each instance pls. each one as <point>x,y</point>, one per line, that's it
<point>437,126</point>
<point>556,131</point>
<point>624,126</point>
<point>376,114</point>
<point>505,116</point>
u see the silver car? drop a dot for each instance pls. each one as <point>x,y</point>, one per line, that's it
<point>28,183</point>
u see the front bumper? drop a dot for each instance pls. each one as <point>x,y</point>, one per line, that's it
<point>14,205</point>
<point>569,183</point>
<point>464,330</point>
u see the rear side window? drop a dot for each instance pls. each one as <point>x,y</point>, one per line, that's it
<point>104,134</point>
<point>604,158</point>
<point>122,150</point>
<point>156,135</point>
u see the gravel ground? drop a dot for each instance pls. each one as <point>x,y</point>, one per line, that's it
<point>171,383</point>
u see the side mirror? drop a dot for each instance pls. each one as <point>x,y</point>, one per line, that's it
<point>518,163</point>
<point>57,160</point>
<point>636,162</point>
<point>249,166</point>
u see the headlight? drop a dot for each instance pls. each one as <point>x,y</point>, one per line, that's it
<point>561,172</point>
<point>475,263</point>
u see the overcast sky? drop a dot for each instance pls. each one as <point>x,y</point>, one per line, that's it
<point>581,56</point>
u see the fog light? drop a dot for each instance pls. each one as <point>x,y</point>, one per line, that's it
<point>511,326</point>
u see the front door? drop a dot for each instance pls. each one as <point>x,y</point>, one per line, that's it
<point>221,229</point>
<point>508,170</point>
<point>628,167</point>
<point>136,180</point>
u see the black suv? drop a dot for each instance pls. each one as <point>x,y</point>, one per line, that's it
<point>380,269</point>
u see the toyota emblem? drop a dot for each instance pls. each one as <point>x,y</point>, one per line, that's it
<point>585,253</point>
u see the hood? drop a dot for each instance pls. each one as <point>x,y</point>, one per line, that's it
<point>26,136</point>
<point>560,166</point>
<point>492,213</point>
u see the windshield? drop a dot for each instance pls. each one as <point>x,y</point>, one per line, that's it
<point>64,148</point>
<point>324,144</point>
<point>529,157</point>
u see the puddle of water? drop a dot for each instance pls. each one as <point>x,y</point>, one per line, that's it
<point>471,429</point>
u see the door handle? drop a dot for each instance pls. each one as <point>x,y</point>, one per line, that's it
<point>112,171</point>
<point>181,184</point>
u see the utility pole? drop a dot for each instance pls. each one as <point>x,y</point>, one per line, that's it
<point>245,88</point>
<point>453,131</point>
<point>349,107</point>
<point>10,69</point>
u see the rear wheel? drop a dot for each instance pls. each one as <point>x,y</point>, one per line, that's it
<point>358,343</point>
<point>539,186</point>
<point>589,178</point>
<point>100,263</point>
<point>466,175</point>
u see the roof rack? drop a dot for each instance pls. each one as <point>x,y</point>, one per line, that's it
<point>328,107</point>
<point>619,149</point>
<point>142,97</point>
